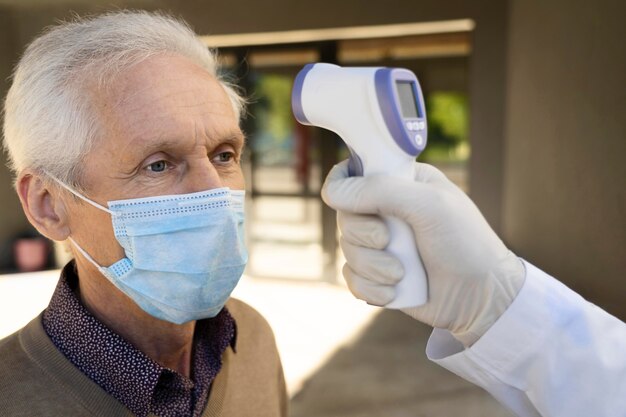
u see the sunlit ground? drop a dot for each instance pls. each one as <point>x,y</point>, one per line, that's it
<point>22,297</point>
<point>310,321</point>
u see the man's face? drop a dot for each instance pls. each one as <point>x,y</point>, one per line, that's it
<point>169,129</point>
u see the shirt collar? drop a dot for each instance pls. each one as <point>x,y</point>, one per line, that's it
<point>115,364</point>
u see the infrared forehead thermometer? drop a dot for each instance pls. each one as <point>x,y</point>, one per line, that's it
<point>379,113</point>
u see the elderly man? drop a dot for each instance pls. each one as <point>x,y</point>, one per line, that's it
<point>126,143</point>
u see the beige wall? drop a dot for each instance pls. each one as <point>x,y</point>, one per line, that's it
<point>565,166</point>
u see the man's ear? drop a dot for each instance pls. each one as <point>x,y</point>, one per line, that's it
<point>43,206</point>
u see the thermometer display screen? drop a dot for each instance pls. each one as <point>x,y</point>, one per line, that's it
<point>408,101</point>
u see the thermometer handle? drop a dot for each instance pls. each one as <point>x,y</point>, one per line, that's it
<point>413,289</point>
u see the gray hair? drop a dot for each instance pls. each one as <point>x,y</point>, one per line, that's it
<point>49,124</point>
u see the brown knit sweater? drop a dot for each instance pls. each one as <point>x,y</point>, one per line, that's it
<point>37,380</point>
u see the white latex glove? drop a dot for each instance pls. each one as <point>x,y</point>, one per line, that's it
<point>472,276</point>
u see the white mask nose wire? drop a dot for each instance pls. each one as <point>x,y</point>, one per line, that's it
<point>82,197</point>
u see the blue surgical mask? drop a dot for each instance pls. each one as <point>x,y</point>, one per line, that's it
<point>185,253</point>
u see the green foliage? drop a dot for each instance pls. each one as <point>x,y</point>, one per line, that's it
<point>276,93</point>
<point>448,126</point>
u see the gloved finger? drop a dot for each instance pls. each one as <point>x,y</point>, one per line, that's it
<point>382,195</point>
<point>428,174</point>
<point>343,192</point>
<point>378,266</point>
<point>366,290</point>
<point>334,184</point>
<point>363,230</point>
<point>425,173</point>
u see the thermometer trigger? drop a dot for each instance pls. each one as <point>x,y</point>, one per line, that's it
<point>355,165</point>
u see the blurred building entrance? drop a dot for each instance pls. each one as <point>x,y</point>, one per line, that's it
<point>291,233</point>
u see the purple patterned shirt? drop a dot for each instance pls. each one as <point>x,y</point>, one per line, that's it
<point>122,370</point>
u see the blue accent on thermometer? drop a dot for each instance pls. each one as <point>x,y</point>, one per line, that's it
<point>296,101</point>
<point>401,105</point>
<point>355,166</point>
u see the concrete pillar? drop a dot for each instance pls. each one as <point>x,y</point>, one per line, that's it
<point>487,109</point>
<point>565,170</point>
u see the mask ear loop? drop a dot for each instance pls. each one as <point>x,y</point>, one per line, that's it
<point>85,254</point>
<point>79,195</point>
<point>93,203</point>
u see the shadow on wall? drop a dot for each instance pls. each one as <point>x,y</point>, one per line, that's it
<point>385,373</point>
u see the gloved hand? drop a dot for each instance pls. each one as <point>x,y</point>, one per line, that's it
<point>472,276</point>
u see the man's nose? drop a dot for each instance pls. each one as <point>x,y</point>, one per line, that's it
<point>202,176</point>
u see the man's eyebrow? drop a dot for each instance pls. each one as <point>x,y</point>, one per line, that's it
<point>236,139</point>
<point>160,145</point>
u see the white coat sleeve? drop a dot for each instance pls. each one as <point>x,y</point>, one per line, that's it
<point>551,354</point>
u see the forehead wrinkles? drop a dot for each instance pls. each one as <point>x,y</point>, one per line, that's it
<point>200,99</point>
<point>173,110</point>
<point>159,80</point>
<point>179,101</point>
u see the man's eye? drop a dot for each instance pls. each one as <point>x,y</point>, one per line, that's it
<point>224,157</point>
<point>158,166</point>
